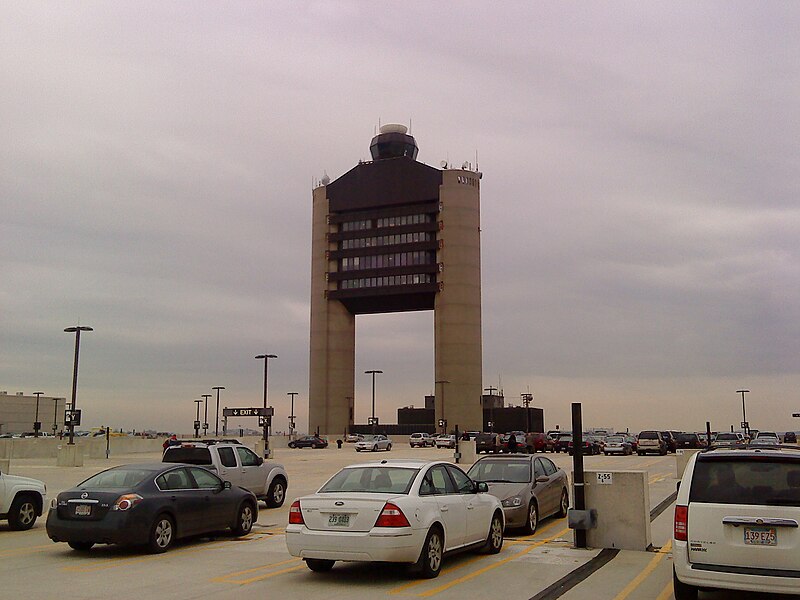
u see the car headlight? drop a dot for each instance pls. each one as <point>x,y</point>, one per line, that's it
<point>513,501</point>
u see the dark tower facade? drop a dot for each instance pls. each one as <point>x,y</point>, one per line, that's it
<point>395,235</point>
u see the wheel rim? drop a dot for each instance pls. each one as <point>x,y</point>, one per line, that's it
<point>277,493</point>
<point>434,552</point>
<point>564,503</point>
<point>163,533</point>
<point>533,517</point>
<point>247,518</point>
<point>27,513</point>
<point>497,533</point>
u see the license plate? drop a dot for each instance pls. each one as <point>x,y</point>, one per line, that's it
<point>339,520</point>
<point>83,510</point>
<point>760,536</point>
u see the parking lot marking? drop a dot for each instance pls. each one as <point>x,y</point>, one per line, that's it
<point>666,593</point>
<point>225,578</point>
<point>651,566</point>
<point>254,569</point>
<point>23,551</point>
<point>494,565</point>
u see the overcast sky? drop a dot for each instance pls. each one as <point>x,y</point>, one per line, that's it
<point>639,201</point>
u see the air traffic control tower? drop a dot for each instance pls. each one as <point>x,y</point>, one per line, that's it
<point>396,235</point>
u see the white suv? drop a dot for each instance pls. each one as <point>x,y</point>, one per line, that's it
<point>420,440</point>
<point>21,500</point>
<point>737,522</point>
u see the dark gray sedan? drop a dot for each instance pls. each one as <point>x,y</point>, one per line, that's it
<point>530,488</point>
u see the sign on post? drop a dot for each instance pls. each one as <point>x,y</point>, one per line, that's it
<point>72,418</point>
<point>264,421</point>
<point>248,412</point>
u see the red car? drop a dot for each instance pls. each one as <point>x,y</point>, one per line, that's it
<point>540,442</point>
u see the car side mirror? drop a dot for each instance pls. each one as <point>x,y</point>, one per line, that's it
<point>260,461</point>
<point>481,487</point>
<point>226,485</point>
<point>542,479</point>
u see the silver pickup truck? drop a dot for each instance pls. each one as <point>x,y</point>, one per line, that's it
<point>236,463</point>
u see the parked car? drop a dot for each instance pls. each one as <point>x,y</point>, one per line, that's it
<point>486,442</point>
<point>765,442</point>
<point>519,436</point>
<point>562,442</point>
<point>669,439</point>
<point>529,488</point>
<point>688,440</point>
<point>352,438</point>
<point>767,435</point>
<point>591,446</point>
<point>618,444</point>
<point>651,441</point>
<point>374,443</point>
<point>539,442</point>
<point>446,441</point>
<point>22,500</point>
<point>150,505</point>
<point>411,512</point>
<point>790,437</point>
<point>309,441</point>
<point>736,522</point>
<point>421,440</point>
<point>731,440</point>
<point>236,463</point>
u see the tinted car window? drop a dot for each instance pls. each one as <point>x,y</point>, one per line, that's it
<point>248,457</point>
<point>177,479</point>
<point>191,455</point>
<point>204,479</point>
<point>437,482</point>
<point>116,478</point>
<point>501,470</point>
<point>226,457</point>
<point>648,435</point>
<point>463,483</point>
<point>763,481</point>
<point>371,479</point>
<point>538,468</point>
<point>549,467</point>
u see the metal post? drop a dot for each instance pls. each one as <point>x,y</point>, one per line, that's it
<point>744,413</point>
<point>373,372</point>
<point>291,412</point>
<point>216,419</point>
<point>491,391</point>
<point>197,419</point>
<point>265,358</point>
<point>77,330</point>
<point>443,382</point>
<point>708,434</point>
<point>577,466</point>
<point>205,414</point>
<point>55,416</point>
<point>36,424</point>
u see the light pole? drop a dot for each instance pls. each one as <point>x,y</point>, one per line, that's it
<point>265,358</point>
<point>216,420</point>
<point>526,401</point>
<point>77,331</point>
<point>197,419</point>
<point>291,413</point>
<point>442,382</point>
<point>745,424</point>
<point>205,416</point>
<point>55,415</point>
<point>36,424</point>
<point>373,373</point>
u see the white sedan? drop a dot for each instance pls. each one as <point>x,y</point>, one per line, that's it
<point>374,443</point>
<point>405,511</point>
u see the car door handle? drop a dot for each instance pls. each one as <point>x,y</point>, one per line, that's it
<point>445,508</point>
<point>173,498</point>
<point>470,506</point>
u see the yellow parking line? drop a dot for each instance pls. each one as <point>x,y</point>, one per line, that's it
<point>258,578</point>
<point>465,563</point>
<point>261,568</point>
<point>666,593</point>
<point>23,551</point>
<point>494,565</point>
<point>651,566</point>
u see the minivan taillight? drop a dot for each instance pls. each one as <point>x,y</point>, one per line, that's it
<point>681,522</point>
<point>392,516</point>
<point>295,514</point>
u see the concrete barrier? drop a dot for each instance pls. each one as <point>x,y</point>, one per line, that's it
<point>5,448</point>
<point>681,458</point>
<point>5,465</point>
<point>468,453</point>
<point>622,501</point>
<point>69,455</point>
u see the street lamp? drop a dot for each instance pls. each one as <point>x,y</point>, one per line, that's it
<point>291,412</point>
<point>373,373</point>
<point>745,424</point>
<point>55,415</point>
<point>205,417</point>
<point>491,391</point>
<point>265,358</point>
<point>442,382</point>
<point>216,420</point>
<point>197,419</point>
<point>77,331</point>
<point>36,424</point>
<point>526,401</point>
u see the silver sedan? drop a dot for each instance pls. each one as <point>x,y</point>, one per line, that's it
<point>374,443</point>
<point>529,488</point>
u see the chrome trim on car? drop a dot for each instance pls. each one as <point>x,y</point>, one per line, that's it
<point>736,521</point>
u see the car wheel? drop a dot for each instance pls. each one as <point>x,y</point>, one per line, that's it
<point>319,565</point>
<point>430,559</point>
<point>358,449</point>
<point>244,519</point>
<point>606,453</point>
<point>276,493</point>
<point>533,519</point>
<point>162,534</point>
<point>640,453</point>
<point>22,515</point>
<point>81,546</point>
<point>292,445</point>
<point>375,448</point>
<point>494,541</point>
<point>314,446</point>
<point>682,591</point>
<point>563,506</point>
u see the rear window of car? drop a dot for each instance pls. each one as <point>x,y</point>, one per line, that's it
<point>615,439</point>
<point>374,480</point>
<point>685,437</point>
<point>188,454</point>
<point>648,435</point>
<point>116,478</point>
<point>765,481</point>
<point>501,471</point>
<point>727,436</point>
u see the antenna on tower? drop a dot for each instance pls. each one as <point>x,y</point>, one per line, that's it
<point>476,160</point>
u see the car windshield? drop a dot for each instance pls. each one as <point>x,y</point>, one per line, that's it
<point>648,435</point>
<point>375,480</point>
<point>122,478</point>
<point>192,455</point>
<point>501,471</point>
<point>765,481</point>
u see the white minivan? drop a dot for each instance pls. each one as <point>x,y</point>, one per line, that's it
<point>737,522</point>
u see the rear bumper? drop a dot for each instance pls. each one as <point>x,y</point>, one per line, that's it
<point>114,528</point>
<point>705,577</point>
<point>371,546</point>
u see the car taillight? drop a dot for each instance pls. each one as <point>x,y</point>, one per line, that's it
<point>681,522</point>
<point>392,516</point>
<point>127,501</point>
<point>295,514</point>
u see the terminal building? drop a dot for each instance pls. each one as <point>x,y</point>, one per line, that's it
<point>396,235</point>
<point>18,413</point>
